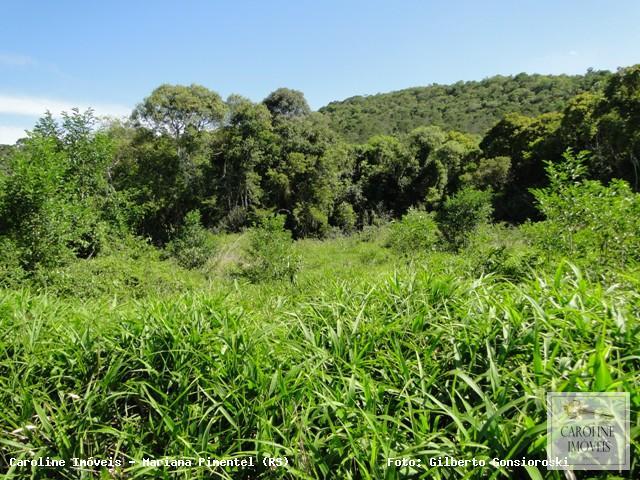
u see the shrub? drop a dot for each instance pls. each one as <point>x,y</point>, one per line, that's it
<point>133,271</point>
<point>462,213</point>
<point>417,232</point>
<point>55,201</point>
<point>236,220</point>
<point>193,245</point>
<point>503,251</point>
<point>11,271</point>
<point>271,254</point>
<point>585,219</point>
<point>344,217</point>
<point>35,206</point>
<point>310,221</point>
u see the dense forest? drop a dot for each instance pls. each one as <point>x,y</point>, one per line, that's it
<point>229,279</point>
<point>231,162</point>
<point>470,107</point>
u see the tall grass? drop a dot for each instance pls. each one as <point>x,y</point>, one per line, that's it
<point>337,377</point>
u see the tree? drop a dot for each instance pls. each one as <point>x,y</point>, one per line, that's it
<point>177,109</point>
<point>487,173</point>
<point>287,103</point>
<point>241,152</point>
<point>158,185</point>
<point>579,123</point>
<point>440,157</point>
<point>385,172</point>
<point>304,180</point>
<point>161,166</point>
<point>584,218</point>
<point>527,142</point>
<point>470,107</point>
<point>432,178</point>
<point>456,152</point>
<point>192,246</point>
<point>619,125</point>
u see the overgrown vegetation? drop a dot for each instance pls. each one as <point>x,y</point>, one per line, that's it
<point>223,278</point>
<point>415,234</point>
<point>271,254</point>
<point>193,245</point>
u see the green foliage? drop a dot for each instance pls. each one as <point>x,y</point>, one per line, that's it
<point>585,219</point>
<point>55,200</point>
<point>179,110</point>
<point>415,234</point>
<point>527,142</point>
<point>288,103</point>
<point>361,356</point>
<point>34,205</point>
<point>193,245</point>
<point>502,250</point>
<point>320,375</point>
<point>310,221</point>
<point>241,152</point>
<point>271,254</point>
<point>278,156</point>
<point>162,166</point>
<point>462,213</point>
<point>345,217</point>
<point>12,274</point>
<point>472,107</point>
<point>617,140</point>
<point>385,171</point>
<point>133,270</point>
<point>487,173</point>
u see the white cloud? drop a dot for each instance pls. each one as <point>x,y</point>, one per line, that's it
<point>9,135</point>
<point>37,106</point>
<point>12,60</point>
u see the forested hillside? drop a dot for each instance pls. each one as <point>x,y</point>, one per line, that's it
<point>471,107</point>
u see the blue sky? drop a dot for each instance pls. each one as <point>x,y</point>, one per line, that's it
<point>112,54</point>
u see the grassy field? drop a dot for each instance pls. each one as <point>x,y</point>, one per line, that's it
<point>366,356</point>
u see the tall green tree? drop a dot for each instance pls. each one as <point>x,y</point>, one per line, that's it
<point>287,103</point>
<point>528,143</point>
<point>385,171</point>
<point>304,180</point>
<point>161,168</point>
<point>178,110</point>
<point>242,151</point>
<point>619,125</point>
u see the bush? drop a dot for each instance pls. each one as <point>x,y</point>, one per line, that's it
<point>344,217</point>
<point>585,219</point>
<point>132,272</point>
<point>416,233</point>
<point>236,220</point>
<point>462,213</point>
<point>36,208</point>
<point>194,244</point>
<point>502,250</point>
<point>55,201</point>
<point>310,221</point>
<point>11,271</point>
<point>271,254</point>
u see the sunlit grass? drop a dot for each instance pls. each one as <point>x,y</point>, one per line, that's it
<point>363,358</point>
